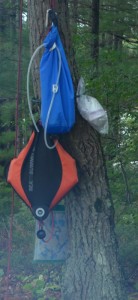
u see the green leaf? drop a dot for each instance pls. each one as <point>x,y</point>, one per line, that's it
<point>1,272</point>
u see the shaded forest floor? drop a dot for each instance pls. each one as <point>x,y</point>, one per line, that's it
<point>30,287</point>
<point>45,286</point>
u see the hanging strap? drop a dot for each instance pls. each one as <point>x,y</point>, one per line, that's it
<point>54,91</point>
<point>52,230</point>
<point>41,234</point>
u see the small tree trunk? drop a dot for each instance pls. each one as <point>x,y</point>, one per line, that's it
<point>92,270</point>
<point>95,31</point>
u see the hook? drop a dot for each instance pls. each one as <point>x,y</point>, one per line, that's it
<point>47,16</point>
<point>50,13</point>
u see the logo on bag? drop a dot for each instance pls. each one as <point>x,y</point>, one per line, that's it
<point>31,171</point>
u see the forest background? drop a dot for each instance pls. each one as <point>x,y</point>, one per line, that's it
<point>116,89</point>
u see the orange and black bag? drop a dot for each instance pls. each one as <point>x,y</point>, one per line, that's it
<point>41,176</point>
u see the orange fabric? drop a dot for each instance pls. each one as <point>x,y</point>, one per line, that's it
<point>14,174</point>
<point>69,175</point>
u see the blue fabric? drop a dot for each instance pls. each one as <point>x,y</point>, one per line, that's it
<point>62,116</point>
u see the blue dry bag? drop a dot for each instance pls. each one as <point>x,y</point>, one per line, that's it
<point>57,93</point>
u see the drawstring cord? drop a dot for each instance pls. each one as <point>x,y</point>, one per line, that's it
<point>55,88</point>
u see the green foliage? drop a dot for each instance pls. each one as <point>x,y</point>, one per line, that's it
<point>40,289</point>
<point>1,272</point>
<point>35,286</point>
<point>133,296</point>
<point>126,228</point>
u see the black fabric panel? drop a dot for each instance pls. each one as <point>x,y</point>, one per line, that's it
<point>41,174</point>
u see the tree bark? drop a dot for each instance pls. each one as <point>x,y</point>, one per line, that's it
<point>92,270</point>
<point>95,31</point>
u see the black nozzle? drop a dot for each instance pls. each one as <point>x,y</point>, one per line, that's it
<point>41,234</point>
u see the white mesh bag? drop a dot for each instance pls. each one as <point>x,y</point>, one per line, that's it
<point>91,110</point>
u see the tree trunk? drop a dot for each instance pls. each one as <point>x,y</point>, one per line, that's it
<point>92,270</point>
<point>36,18</point>
<point>95,31</point>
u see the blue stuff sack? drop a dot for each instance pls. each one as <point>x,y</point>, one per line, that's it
<point>57,93</point>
